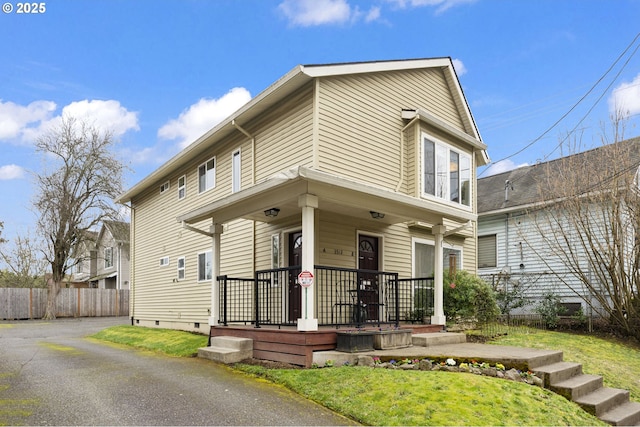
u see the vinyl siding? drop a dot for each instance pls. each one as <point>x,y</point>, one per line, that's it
<point>159,296</point>
<point>360,118</point>
<point>284,137</point>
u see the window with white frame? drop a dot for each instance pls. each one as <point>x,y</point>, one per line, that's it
<point>207,175</point>
<point>236,171</point>
<point>204,266</point>
<point>164,261</point>
<point>182,187</point>
<point>487,251</point>
<point>181,268</point>
<point>446,172</point>
<point>424,256</point>
<point>108,257</point>
<point>164,187</point>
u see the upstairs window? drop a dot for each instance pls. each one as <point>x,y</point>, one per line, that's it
<point>164,187</point>
<point>108,257</point>
<point>446,172</point>
<point>207,175</point>
<point>182,187</point>
<point>235,171</point>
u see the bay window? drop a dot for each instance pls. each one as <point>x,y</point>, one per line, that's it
<point>446,172</point>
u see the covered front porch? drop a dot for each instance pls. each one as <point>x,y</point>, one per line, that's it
<point>301,292</point>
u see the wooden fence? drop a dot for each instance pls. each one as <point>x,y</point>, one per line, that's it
<point>31,303</point>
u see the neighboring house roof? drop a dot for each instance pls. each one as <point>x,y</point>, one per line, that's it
<point>119,231</point>
<point>289,83</point>
<point>520,188</point>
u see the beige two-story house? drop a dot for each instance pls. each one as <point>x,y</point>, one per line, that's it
<point>336,196</point>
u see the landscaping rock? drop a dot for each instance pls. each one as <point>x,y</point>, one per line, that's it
<point>364,361</point>
<point>425,365</point>
<point>513,375</point>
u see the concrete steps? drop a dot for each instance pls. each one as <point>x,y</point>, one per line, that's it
<point>227,349</point>
<point>438,338</point>
<point>611,405</point>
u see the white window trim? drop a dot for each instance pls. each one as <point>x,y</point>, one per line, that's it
<point>235,184</point>
<point>206,279</point>
<point>449,148</point>
<point>182,187</point>
<point>184,268</point>
<point>215,166</point>
<point>430,242</point>
<point>164,264</point>
<point>495,236</point>
<point>108,258</point>
<point>165,187</point>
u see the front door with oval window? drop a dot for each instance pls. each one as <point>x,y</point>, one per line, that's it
<point>295,291</point>
<point>368,259</point>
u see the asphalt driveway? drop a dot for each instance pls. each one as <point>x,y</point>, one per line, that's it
<point>51,375</point>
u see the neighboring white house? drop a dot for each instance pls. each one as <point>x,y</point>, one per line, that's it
<point>103,261</point>
<point>112,256</point>
<point>517,213</point>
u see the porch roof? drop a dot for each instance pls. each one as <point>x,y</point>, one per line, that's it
<point>334,193</point>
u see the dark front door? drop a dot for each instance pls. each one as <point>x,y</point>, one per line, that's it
<point>369,296</point>
<point>295,290</point>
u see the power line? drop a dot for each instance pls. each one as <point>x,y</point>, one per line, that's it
<point>578,102</point>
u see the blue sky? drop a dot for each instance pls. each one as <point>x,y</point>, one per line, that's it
<point>160,73</point>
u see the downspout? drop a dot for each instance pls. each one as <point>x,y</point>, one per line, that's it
<point>400,182</point>
<point>132,268</point>
<point>253,181</point>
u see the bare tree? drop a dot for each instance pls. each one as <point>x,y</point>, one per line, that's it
<point>26,268</point>
<point>588,223</point>
<point>80,179</point>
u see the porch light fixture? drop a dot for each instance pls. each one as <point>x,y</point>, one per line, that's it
<point>272,213</point>
<point>376,215</point>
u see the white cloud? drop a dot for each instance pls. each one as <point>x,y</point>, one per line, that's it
<point>310,13</point>
<point>502,166</point>
<point>107,115</point>
<point>461,70</point>
<point>441,5</point>
<point>626,98</point>
<point>9,172</point>
<point>307,13</point>
<point>203,115</point>
<point>15,118</point>
<point>24,124</point>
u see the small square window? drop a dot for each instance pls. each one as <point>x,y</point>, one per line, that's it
<point>164,261</point>
<point>164,187</point>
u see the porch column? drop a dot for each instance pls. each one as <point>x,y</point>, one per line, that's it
<point>308,203</point>
<point>216,231</point>
<point>438,317</point>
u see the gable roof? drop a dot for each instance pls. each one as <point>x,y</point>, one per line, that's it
<point>522,191</point>
<point>119,231</point>
<point>286,85</point>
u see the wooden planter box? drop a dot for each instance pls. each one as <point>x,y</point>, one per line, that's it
<point>353,342</point>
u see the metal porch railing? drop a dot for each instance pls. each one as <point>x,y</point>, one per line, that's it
<point>343,297</point>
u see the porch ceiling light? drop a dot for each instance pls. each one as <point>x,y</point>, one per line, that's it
<point>272,213</point>
<point>376,215</point>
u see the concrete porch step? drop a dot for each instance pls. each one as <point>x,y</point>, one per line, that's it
<point>577,386</point>
<point>627,414</point>
<point>557,372</point>
<point>603,400</point>
<point>227,349</point>
<point>438,338</point>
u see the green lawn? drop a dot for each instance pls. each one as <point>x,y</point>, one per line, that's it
<point>617,361</point>
<point>398,397</point>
